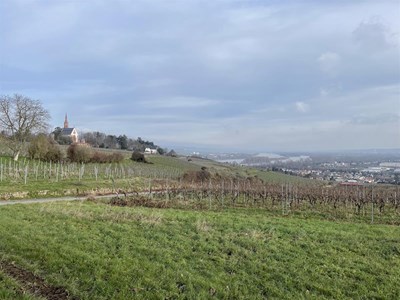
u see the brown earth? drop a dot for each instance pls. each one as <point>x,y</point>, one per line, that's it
<point>138,201</point>
<point>33,284</point>
<point>154,203</point>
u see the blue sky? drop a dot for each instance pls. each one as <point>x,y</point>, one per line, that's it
<point>239,75</point>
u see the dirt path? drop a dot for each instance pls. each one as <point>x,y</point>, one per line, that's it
<point>44,200</point>
<point>34,284</point>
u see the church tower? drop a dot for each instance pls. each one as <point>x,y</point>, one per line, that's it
<point>66,121</point>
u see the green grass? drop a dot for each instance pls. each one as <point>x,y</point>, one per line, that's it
<point>98,251</point>
<point>166,162</point>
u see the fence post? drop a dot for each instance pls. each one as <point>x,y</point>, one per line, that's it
<point>150,194</point>
<point>26,173</point>
<point>372,208</point>
<point>210,192</point>
<point>282,199</point>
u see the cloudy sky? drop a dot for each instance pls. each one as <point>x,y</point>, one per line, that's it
<point>239,75</point>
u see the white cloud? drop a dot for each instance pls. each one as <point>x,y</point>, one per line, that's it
<point>180,102</point>
<point>331,90</point>
<point>159,82</point>
<point>302,107</point>
<point>329,62</point>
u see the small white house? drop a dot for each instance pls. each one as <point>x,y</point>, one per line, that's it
<point>150,151</point>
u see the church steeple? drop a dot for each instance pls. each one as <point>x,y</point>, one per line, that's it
<point>66,121</point>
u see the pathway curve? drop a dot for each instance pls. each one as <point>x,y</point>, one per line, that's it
<point>45,200</point>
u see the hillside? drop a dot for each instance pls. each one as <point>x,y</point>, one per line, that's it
<point>31,179</point>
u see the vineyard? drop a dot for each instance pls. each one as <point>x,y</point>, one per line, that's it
<point>375,202</point>
<point>31,178</point>
<point>27,170</point>
<point>180,182</point>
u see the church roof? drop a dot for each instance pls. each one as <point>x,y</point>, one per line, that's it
<point>67,131</point>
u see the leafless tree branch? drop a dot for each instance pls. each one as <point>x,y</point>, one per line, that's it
<point>20,117</point>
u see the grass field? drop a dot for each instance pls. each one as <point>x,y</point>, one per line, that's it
<point>98,251</point>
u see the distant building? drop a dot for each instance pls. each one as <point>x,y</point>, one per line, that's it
<point>68,132</point>
<point>150,151</point>
<point>390,164</point>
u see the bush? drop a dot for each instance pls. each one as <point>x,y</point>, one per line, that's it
<point>160,151</point>
<point>84,153</point>
<point>116,157</point>
<point>38,147</point>
<point>172,153</point>
<point>138,157</point>
<point>79,153</point>
<point>44,148</point>
<point>197,176</point>
<point>54,154</point>
<point>98,157</point>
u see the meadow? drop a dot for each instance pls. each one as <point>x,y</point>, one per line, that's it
<point>98,251</point>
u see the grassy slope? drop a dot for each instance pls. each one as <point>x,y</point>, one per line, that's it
<point>102,252</point>
<point>231,170</point>
<point>165,162</point>
<point>160,167</point>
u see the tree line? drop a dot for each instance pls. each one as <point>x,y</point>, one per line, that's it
<point>22,119</point>
<point>98,139</point>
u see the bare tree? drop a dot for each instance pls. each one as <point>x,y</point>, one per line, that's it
<point>20,117</point>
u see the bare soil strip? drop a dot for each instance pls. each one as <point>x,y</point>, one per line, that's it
<point>45,200</point>
<point>34,284</point>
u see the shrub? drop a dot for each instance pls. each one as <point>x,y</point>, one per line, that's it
<point>79,153</point>
<point>38,147</point>
<point>172,153</point>
<point>84,153</point>
<point>197,176</point>
<point>54,154</point>
<point>116,157</point>
<point>138,157</point>
<point>44,148</point>
<point>99,157</point>
<point>160,151</point>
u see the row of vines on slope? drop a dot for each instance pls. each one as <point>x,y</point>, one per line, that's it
<point>25,171</point>
<point>373,200</point>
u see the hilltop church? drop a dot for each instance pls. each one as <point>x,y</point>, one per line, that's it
<point>68,132</point>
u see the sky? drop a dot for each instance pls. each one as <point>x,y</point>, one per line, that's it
<point>228,75</point>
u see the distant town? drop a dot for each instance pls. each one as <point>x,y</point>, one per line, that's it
<point>345,168</point>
